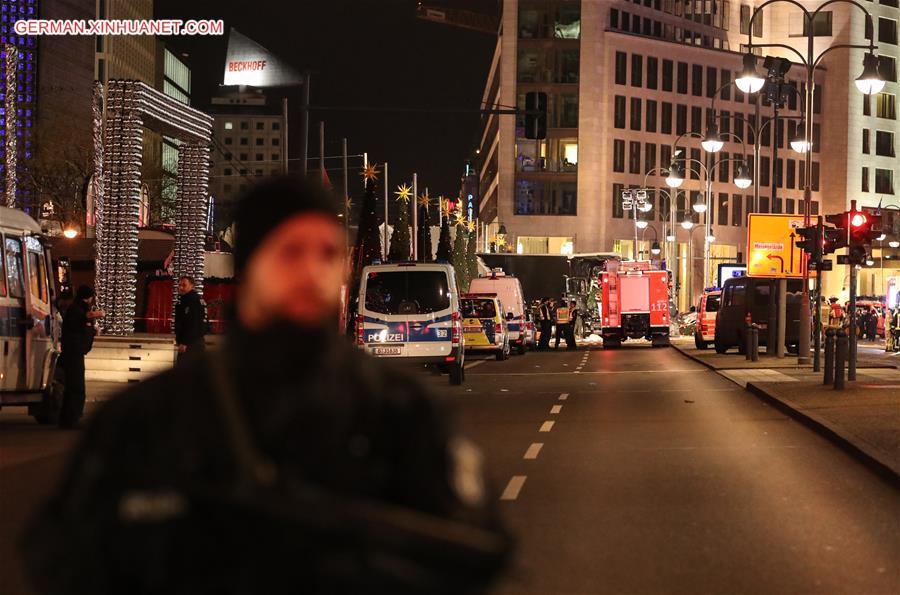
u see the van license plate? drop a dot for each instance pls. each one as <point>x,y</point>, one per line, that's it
<point>387,351</point>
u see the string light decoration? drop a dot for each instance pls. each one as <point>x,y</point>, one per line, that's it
<point>9,114</point>
<point>130,107</point>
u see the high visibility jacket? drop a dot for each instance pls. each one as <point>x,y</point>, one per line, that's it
<point>562,315</point>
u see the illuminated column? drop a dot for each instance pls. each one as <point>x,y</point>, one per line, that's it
<point>99,230</point>
<point>9,114</point>
<point>190,218</point>
<point>117,229</point>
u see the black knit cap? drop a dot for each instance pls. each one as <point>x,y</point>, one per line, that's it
<point>266,205</point>
<point>84,292</point>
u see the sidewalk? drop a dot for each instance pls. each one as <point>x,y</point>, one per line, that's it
<point>863,419</point>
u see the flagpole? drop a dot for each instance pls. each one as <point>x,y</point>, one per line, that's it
<point>415,215</point>
<point>322,151</point>
<point>304,126</point>
<point>385,243</point>
<point>346,191</point>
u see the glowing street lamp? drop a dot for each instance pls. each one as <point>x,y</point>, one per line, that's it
<point>749,80</point>
<point>742,178</point>
<point>699,206</point>
<point>70,233</point>
<point>710,239</point>
<point>687,224</point>
<point>798,140</point>
<point>870,81</point>
<point>676,176</point>
<point>641,224</point>
<point>712,143</point>
<point>894,244</point>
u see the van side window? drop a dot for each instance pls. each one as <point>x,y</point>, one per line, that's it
<point>761,292</point>
<point>37,276</point>
<point>14,267</point>
<point>739,291</point>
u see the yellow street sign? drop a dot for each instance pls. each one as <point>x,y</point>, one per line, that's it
<point>771,246</point>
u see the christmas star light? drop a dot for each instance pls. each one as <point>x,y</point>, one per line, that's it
<point>471,226</point>
<point>445,206</point>
<point>460,219</point>
<point>424,200</point>
<point>403,192</point>
<point>349,204</point>
<point>370,172</point>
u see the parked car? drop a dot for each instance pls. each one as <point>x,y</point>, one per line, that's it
<point>747,299</point>
<point>410,311</point>
<point>484,325</point>
<point>707,311</point>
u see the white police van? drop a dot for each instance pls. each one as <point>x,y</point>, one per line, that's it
<point>410,311</point>
<point>509,290</point>
<point>29,326</point>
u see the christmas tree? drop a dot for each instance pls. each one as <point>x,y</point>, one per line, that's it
<point>400,240</point>
<point>368,237</point>
<point>471,257</point>
<point>444,249</point>
<point>367,248</point>
<point>423,238</point>
<point>458,259</point>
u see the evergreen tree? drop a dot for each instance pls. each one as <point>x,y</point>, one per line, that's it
<point>400,241</point>
<point>368,237</point>
<point>444,249</point>
<point>471,257</point>
<point>458,259</point>
<point>423,247</point>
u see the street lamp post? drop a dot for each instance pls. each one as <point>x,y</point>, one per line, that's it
<point>675,179</point>
<point>869,82</point>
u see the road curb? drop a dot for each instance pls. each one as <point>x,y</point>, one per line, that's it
<point>826,430</point>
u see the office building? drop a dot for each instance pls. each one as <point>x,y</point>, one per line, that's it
<point>624,79</point>
<point>247,144</point>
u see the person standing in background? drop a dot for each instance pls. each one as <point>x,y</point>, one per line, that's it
<point>190,318</point>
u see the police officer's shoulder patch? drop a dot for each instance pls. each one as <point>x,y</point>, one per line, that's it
<point>467,470</point>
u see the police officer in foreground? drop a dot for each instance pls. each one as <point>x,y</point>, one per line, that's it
<point>289,462</point>
<point>77,339</point>
<point>190,318</point>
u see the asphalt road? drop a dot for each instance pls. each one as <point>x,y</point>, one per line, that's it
<point>628,471</point>
<point>639,471</point>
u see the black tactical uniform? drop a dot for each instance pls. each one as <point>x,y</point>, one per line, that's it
<point>190,321</point>
<point>77,339</point>
<point>149,502</point>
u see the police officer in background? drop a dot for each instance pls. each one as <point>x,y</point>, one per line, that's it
<point>190,318</point>
<point>77,339</point>
<point>287,462</point>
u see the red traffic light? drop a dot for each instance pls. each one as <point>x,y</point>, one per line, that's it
<point>857,220</point>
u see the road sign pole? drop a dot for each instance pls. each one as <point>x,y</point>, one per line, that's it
<point>772,328</point>
<point>817,312</point>
<point>851,357</point>
<point>782,317</point>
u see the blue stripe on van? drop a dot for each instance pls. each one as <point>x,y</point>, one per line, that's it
<point>444,318</point>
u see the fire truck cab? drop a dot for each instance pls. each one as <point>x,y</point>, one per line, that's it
<point>635,303</point>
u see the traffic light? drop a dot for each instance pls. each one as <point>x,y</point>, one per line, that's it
<point>811,242</point>
<point>833,240</point>
<point>535,115</point>
<point>862,228</point>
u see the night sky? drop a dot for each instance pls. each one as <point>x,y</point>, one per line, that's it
<point>361,53</point>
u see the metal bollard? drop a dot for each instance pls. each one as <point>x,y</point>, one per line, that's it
<point>842,349</point>
<point>829,357</point>
<point>748,347</point>
<point>754,345</point>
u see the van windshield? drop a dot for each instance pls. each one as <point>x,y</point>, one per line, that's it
<point>407,292</point>
<point>478,308</point>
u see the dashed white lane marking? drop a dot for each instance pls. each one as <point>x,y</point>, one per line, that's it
<point>533,450</point>
<point>547,426</point>
<point>603,372</point>
<point>513,487</point>
<point>475,363</point>
<point>555,409</point>
<point>563,396</point>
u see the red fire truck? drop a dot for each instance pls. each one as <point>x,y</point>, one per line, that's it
<point>635,303</point>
